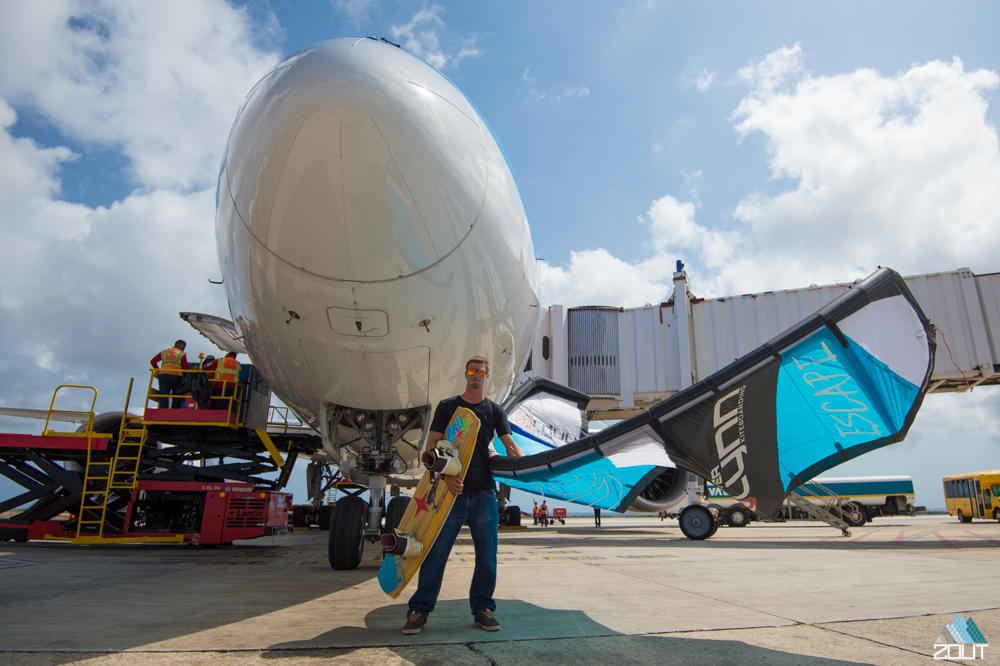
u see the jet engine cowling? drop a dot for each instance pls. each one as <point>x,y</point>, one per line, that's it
<point>664,492</point>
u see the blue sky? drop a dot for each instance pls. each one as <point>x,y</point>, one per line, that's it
<point>768,145</point>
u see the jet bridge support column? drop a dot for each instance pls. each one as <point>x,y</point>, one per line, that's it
<point>560,346</point>
<point>682,308</point>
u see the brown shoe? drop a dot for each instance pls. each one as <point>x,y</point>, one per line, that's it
<point>486,621</point>
<point>415,621</point>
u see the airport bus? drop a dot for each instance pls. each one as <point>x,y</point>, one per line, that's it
<point>870,496</point>
<point>975,495</point>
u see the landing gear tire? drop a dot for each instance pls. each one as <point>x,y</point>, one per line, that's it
<point>855,515</point>
<point>697,523</point>
<point>394,513</point>
<point>513,516</point>
<point>347,533</point>
<point>738,518</point>
<point>325,514</point>
<point>962,518</point>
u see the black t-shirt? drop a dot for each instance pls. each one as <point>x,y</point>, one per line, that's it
<point>492,420</point>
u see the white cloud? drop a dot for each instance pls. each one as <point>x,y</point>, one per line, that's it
<point>159,81</point>
<point>774,69</point>
<point>897,171</point>
<point>420,37</point>
<point>702,79</point>
<point>357,10</point>
<point>595,277</point>
<point>95,291</point>
<point>572,92</point>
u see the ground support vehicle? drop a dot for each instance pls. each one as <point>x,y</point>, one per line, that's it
<point>862,497</point>
<point>706,507</point>
<point>974,495</point>
<point>171,475</point>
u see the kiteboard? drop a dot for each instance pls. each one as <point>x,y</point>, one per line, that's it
<point>406,547</point>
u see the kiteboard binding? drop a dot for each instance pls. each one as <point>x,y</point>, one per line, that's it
<point>405,547</point>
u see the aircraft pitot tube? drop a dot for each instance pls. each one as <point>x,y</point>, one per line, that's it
<point>443,460</point>
<point>403,545</point>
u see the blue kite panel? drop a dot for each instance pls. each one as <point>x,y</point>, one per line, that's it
<point>593,481</point>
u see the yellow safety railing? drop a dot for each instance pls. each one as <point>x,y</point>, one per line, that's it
<point>229,400</point>
<point>278,417</point>
<point>89,423</point>
<point>96,473</point>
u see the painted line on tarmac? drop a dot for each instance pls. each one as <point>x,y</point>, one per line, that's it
<point>984,538</point>
<point>943,540</point>
<point>867,534</point>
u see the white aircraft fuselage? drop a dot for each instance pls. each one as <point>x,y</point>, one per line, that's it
<point>372,237</point>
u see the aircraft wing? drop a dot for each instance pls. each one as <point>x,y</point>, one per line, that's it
<point>39,414</point>
<point>842,382</point>
<point>221,332</point>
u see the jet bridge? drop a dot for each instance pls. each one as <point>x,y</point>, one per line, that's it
<point>628,359</point>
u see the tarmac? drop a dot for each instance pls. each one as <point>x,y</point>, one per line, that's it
<point>634,591</point>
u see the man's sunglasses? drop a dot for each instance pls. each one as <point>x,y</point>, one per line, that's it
<point>472,372</point>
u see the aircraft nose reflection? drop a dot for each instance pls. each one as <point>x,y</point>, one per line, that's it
<point>360,182</point>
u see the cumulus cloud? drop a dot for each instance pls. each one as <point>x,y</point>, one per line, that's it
<point>161,82</point>
<point>867,170</point>
<point>595,277</point>
<point>88,295</point>
<point>420,37</point>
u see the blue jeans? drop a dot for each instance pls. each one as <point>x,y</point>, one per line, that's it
<point>479,511</point>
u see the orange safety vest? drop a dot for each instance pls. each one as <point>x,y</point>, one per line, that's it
<point>170,362</point>
<point>228,370</point>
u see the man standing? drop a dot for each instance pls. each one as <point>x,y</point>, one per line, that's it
<point>224,381</point>
<point>543,513</point>
<point>597,516</point>
<point>475,504</point>
<point>171,373</point>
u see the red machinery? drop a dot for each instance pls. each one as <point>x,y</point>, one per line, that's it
<point>186,512</point>
<point>170,476</point>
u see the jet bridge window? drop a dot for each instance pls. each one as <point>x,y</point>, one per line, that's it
<point>545,347</point>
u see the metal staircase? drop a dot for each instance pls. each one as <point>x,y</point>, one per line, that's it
<point>828,506</point>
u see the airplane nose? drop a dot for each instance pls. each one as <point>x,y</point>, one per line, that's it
<point>354,160</point>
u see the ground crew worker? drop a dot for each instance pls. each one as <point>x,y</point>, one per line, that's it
<point>173,363</point>
<point>227,375</point>
<point>597,516</point>
<point>534,513</point>
<point>543,513</point>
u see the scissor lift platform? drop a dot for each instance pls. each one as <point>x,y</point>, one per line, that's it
<point>169,476</point>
